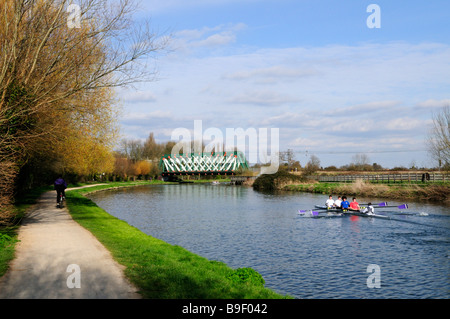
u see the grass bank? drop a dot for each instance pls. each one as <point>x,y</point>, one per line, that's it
<point>8,240</point>
<point>432,191</point>
<point>158,269</point>
<point>9,231</point>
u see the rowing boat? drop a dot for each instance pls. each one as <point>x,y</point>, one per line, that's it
<point>358,213</point>
<point>350,212</point>
<point>328,209</point>
<point>315,214</point>
<point>380,205</point>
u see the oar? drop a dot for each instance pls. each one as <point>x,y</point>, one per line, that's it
<point>403,206</point>
<point>302,211</point>
<point>384,204</point>
<point>324,208</point>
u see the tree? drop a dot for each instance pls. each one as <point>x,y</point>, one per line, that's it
<point>121,165</point>
<point>360,159</point>
<point>152,149</point>
<point>360,162</point>
<point>7,178</point>
<point>142,168</point>
<point>57,82</point>
<point>132,149</point>
<point>287,157</point>
<point>312,166</point>
<point>376,167</point>
<point>439,136</point>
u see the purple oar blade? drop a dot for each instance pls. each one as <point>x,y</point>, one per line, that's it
<point>404,206</point>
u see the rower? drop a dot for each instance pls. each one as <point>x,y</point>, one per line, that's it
<point>369,210</point>
<point>354,204</point>
<point>330,202</point>
<point>345,204</point>
<point>337,202</point>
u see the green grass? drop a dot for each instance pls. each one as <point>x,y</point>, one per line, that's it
<point>8,239</point>
<point>158,269</point>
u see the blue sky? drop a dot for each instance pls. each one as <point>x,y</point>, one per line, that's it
<point>313,69</point>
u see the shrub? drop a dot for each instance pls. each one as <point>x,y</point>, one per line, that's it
<point>246,275</point>
<point>276,181</point>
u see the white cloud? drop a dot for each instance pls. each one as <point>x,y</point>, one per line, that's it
<point>217,39</point>
<point>432,103</point>
<point>346,96</point>
<point>305,142</point>
<point>146,116</point>
<point>139,97</point>
<point>365,108</point>
<point>262,98</point>
<point>272,74</point>
<point>406,124</point>
<point>184,41</point>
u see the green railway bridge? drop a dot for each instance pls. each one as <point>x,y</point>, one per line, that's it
<point>213,163</point>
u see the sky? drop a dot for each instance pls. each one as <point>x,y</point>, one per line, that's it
<point>313,69</point>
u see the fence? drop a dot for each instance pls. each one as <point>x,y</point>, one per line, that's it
<point>386,178</point>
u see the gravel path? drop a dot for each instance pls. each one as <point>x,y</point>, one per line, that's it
<point>56,258</point>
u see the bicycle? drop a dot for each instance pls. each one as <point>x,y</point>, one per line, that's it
<point>61,201</point>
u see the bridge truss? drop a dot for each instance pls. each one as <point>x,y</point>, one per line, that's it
<point>214,163</point>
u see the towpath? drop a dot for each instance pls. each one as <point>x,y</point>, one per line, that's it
<point>56,258</point>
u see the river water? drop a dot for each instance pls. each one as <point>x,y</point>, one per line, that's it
<point>299,256</point>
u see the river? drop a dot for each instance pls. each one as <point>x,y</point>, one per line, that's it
<point>303,257</point>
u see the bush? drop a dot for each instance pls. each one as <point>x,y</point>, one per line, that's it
<point>276,181</point>
<point>246,275</point>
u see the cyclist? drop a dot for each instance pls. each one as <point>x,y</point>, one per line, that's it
<point>60,186</point>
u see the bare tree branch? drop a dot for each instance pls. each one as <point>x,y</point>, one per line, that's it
<point>439,136</point>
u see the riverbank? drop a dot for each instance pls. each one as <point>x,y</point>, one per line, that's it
<point>431,192</point>
<point>9,231</point>
<point>437,191</point>
<point>158,269</point>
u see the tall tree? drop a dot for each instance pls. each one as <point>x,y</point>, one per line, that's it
<point>57,80</point>
<point>312,165</point>
<point>439,136</point>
